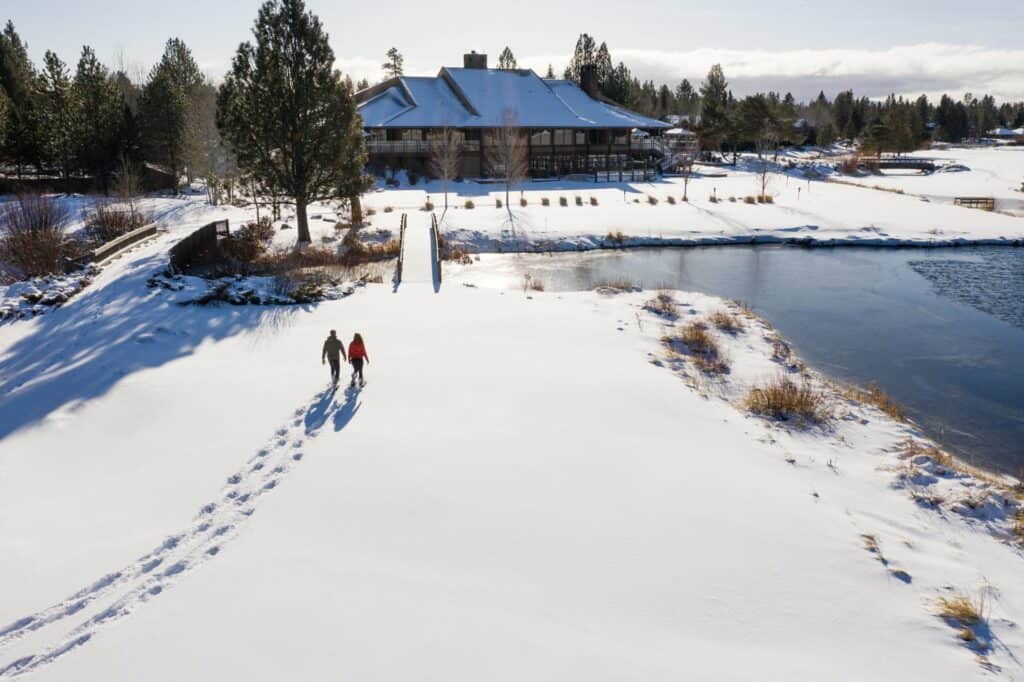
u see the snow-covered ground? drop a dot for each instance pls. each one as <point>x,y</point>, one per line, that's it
<point>996,172</point>
<point>529,488</point>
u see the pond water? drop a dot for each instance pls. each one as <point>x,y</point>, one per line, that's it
<point>942,330</point>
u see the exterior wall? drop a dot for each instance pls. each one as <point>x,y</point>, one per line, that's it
<point>549,154</point>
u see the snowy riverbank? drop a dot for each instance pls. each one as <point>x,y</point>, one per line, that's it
<point>531,487</point>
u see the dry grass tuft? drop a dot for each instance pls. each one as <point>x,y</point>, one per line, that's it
<point>726,321</point>
<point>615,286</point>
<point>1018,526</point>
<point>32,237</point>
<point>701,346</point>
<point>783,398</point>
<point>875,395</point>
<point>749,199</point>
<point>617,238</point>
<point>663,304</point>
<point>961,609</point>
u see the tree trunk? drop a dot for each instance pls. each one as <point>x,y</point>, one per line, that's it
<point>357,211</point>
<point>302,220</point>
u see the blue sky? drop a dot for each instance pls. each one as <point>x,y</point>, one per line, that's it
<point>873,46</point>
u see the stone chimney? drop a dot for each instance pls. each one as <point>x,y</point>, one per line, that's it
<point>474,60</point>
<point>588,79</point>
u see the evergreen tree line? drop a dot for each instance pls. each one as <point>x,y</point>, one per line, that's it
<point>895,124</point>
<point>94,122</point>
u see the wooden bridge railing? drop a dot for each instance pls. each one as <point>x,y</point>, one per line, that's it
<point>199,247</point>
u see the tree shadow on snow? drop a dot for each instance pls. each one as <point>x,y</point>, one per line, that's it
<point>79,351</point>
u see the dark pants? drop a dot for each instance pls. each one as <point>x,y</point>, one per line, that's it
<point>357,369</point>
<point>335,363</point>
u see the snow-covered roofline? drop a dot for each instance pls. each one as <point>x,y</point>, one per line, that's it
<point>488,98</point>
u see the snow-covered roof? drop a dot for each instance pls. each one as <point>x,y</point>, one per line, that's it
<point>1002,132</point>
<point>680,132</point>
<point>486,98</point>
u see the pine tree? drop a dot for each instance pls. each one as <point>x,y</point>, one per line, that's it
<point>394,66</point>
<point>603,69</point>
<point>507,60</point>
<point>583,55</point>
<point>714,110</point>
<point>23,140</point>
<point>551,72</point>
<point>164,107</point>
<point>98,146</point>
<point>363,84</point>
<point>287,114</point>
<point>58,114</point>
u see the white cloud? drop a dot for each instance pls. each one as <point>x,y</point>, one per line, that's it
<point>905,69</point>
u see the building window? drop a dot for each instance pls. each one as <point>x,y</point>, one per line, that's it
<point>620,137</point>
<point>541,138</point>
<point>564,137</point>
<point>412,135</point>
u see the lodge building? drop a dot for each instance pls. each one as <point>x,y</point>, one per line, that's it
<point>568,128</point>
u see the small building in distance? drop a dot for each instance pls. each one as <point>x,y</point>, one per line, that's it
<point>568,128</point>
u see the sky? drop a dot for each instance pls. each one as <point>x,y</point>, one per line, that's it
<point>875,47</point>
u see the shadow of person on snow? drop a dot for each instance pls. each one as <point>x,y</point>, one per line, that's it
<point>328,407</point>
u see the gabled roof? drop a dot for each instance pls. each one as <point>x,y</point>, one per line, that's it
<point>488,98</point>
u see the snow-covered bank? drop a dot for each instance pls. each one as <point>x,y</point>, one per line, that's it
<point>521,492</point>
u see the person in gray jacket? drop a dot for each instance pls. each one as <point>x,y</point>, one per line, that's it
<point>334,352</point>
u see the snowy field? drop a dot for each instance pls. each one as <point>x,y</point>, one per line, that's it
<point>529,488</point>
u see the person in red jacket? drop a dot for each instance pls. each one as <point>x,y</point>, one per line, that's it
<point>357,355</point>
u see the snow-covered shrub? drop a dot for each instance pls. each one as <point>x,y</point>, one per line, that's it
<point>783,398</point>
<point>33,241</point>
<point>617,238</point>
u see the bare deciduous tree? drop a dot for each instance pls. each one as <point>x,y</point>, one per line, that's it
<point>445,157</point>
<point>688,159</point>
<point>508,154</point>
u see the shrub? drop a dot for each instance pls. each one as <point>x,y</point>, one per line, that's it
<point>469,204</point>
<point>536,285</point>
<point>713,199</point>
<point>262,231</point>
<point>593,201</point>
<point>701,346</point>
<point>106,222</point>
<point>544,201</point>
<point>497,203</point>
<point>371,211</point>
<point>749,200</point>
<point>562,201</point>
<point>651,200</point>
<point>429,206</point>
<point>726,321</point>
<point>522,201</point>
<point>388,209</point>
<point>671,200</point>
<point>782,398</point>
<point>766,199</point>
<point>33,242</point>
<point>579,201</point>
<point>685,200</point>
<point>732,200</point>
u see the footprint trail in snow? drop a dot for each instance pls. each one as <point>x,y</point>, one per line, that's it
<point>117,594</point>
